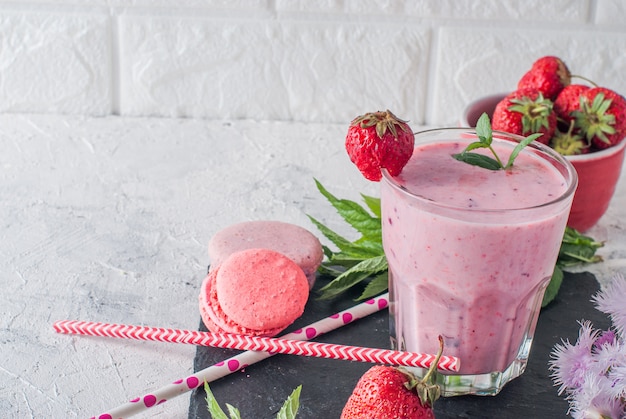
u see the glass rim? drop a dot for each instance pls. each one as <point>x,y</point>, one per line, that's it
<point>542,148</point>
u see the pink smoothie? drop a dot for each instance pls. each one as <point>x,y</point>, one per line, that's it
<point>462,270</point>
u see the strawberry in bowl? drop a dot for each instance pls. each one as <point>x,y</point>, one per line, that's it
<point>590,129</point>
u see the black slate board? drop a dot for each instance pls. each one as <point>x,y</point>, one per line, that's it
<point>259,390</point>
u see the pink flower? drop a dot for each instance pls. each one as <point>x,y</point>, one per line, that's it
<point>591,401</point>
<point>592,372</point>
<point>570,363</point>
<point>612,301</point>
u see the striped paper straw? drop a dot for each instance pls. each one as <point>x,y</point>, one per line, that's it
<point>255,343</point>
<point>242,360</point>
<point>235,363</point>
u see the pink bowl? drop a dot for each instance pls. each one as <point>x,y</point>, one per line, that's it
<point>598,172</point>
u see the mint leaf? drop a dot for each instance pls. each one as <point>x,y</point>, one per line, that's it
<point>354,275</point>
<point>577,248</point>
<point>483,129</point>
<point>354,214</point>
<point>518,148</point>
<point>373,204</point>
<point>368,249</point>
<point>291,405</point>
<point>377,285</point>
<point>485,136</point>
<point>479,160</point>
<point>214,408</point>
<point>233,412</point>
<point>553,287</point>
<point>289,410</point>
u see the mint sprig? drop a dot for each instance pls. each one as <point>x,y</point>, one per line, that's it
<point>364,261</point>
<point>358,260</point>
<point>289,410</point>
<point>485,139</point>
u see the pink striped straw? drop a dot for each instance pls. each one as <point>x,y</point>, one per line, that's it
<point>255,343</point>
<point>238,362</point>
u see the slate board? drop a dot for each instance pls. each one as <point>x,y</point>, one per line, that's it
<point>259,390</point>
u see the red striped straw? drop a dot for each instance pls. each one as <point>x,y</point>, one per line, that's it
<point>255,343</point>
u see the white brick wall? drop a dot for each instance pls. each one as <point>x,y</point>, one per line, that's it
<point>305,60</point>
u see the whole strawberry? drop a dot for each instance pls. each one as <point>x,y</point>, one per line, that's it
<point>548,74</point>
<point>379,140</point>
<point>602,117</point>
<point>567,102</point>
<point>524,112</point>
<point>385,392</point>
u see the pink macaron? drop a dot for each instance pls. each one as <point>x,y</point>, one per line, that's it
<point>255,292</point>
<point>295,242</point>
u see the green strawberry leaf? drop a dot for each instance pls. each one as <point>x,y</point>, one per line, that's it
<point>291,405</point>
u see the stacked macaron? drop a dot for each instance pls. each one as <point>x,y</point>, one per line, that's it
<point>257,284</point>
<point>295,242</point>
<point>255,292</point>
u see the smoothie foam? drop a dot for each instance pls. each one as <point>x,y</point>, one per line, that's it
<point>470,252</point>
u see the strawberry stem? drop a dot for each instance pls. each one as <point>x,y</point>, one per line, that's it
<point>433,367</point>
<point>591,82</point>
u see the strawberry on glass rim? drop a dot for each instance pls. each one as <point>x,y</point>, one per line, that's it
<point>379,140</point>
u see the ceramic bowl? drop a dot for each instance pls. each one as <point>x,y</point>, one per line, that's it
<point>598,172</point>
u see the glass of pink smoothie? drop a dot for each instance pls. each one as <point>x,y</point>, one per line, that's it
<point>471,251</point>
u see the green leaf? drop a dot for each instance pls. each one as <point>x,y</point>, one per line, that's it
<point>291,405</point>
<point>475,145</point>
<point>378,285</point>
<point>518,148</point>
<point>354,275</point>
<point>553,287</point>
<point>289,410</point>
<point>233,412</point>
<point>214,408</point>
<point>576,248</point>
<point>354,214</point>
<point>485,135</point>
<point>342,283</point>
<point>373,204</point>
<point>483,129</point>
<point>476,159</point>
<point>342,243</point>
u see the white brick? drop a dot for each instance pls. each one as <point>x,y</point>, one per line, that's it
<point>54,62</point>
<point>499,11</point>
<point>472,63</point>
<point>302,6</point>
<point>376,7</point>
<point>611,12</point>
<point>285,71</point>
